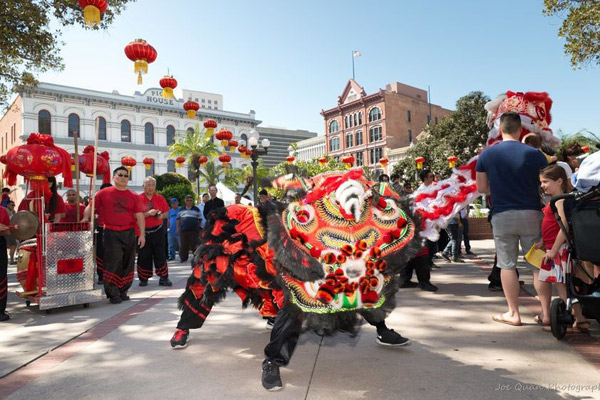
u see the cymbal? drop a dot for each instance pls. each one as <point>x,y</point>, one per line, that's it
<point>28,224</point>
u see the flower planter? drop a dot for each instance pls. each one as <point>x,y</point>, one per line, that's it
<point>479,228</point>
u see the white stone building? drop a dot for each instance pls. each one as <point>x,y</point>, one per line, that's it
<point>309,148</point>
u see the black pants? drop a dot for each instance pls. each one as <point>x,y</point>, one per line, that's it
<point>421,266</point>
<point>119,261</point>
<point>189,241</point>
<point>3,274</point>
<point>100,251</point>
<point>154,252</point>
<point>433,248</point>
<point>465,234</point>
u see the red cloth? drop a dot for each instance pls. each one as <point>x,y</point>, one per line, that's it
<point>4,219</point>
<point>158,203</point>
<point>550,228</point>
<point>60,205</point>
<point>71,212</point>
<point>117,208</point>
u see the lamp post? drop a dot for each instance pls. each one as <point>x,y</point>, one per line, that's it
<point>253,137</point>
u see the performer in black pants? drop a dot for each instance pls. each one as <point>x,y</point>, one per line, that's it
<point>4,222</point>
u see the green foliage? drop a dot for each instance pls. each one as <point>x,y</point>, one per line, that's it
<point>580,29</point>
<point>462,134</point>
<point>582,138</point>
<point>179,191</point>
<point>28,45</point>
<point>169,179</point>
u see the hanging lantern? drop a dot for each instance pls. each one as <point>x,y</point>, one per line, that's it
<point>142,54</point>
<point>168,83</point>
<point>420,161</point>
<point>225,159</point>
<point>36,161</point>
<point>348,161</point>
<point>86,164</point>
<point>148,161</point>
<point>210,126</point>
<point>242,150</point>
<point>191,107</point>
<point>233,145</point>
<point>248,154</point>
<point>290,159</point>
<point>179,161</point>
<point>92,11</point>
<point>203,160</point>
<point>323,160</point>
<point>452,161</point>
<point>72,165</point>
<point>224,136</point>
<point>128,162</point>
<point>384,162</point>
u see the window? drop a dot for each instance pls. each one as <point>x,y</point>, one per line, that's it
<point>150,172</point>
<point>359,159</point>
<point>334,126</point>
<point>101,127</point>
<point>334,144</point>
<point>44,122</point>
<point>355,117</point>
<point>375,155</point>
<point>375,134</point>
<point>428,119</point>
<point>408,115</point>
<point>346,123</point>
<point>190,130</point>
<point>196,99</point>
<point>73,125</point>
<point>436,120</point>
<point>216,102</point>
<point>171,166</point>
<point>349,139</point>
<point>409,136</point>
<point>360,117</point>
<point>125,131</point>
<point>359,139</point>
<point>209,101</point>
<point>374,114</point>
<point>149,133</point>
<point>170,135</point>
<point>244,139</point>
<point>202,100</point>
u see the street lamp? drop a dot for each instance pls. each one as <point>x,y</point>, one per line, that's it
<point>253,137</point>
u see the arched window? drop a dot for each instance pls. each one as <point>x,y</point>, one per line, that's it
<point>149,133</point>
<point>349,139</point>
<point>374,114</point>
<point>334,144</point>
<point>190,130</point>
<point>170,135</point>
<point>334,126</point>
<point>244,138</point>
<point>359,138</point>
<point>125,131</point>
<point>101,127</point>
<point>360,117</point>
<point>375,134</point>
<point>73,125</point>
<point>44,122</point>
<point>171,166</point>
<point>346,122</point>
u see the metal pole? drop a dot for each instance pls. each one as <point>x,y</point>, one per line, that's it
<point>353,65</point>
<point>75,142</point>
<point>255,178</point>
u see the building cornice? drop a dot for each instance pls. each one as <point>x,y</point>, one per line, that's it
<point>362,102</point>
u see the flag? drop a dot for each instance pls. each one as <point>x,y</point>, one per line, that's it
<point>356,54</point>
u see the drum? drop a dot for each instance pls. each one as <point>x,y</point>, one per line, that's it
<point>27,273</point>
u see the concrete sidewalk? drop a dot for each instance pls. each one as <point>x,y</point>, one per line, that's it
<point>457,350</point>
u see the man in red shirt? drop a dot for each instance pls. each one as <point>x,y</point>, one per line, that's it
<point>155,211</point>
<point>71,207</point>
<point>4,222</point>
<point>119,209</point>
<point>54,206</point>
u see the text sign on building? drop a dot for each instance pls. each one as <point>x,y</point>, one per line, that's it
<point>154,96</point>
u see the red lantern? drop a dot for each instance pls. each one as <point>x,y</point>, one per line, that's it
<point>148,161</point>
<point>233,145</point>
<point>586,149</point>
<point>248,154</point>
<point>452,161</point>
<point>36,161</point>
<point>179,161</point>
<point>225,159</point>
<point>86,164</point>
<point>242,149</point>
<point>383,161</point>
<point>92,10</point>
<point>142,54</point>
<point>129,162</point>
<point>290,160</point>
<point>210,126</point>
<point>168,83</point>
<point>323,160</point>
<point>420,161</point>
<point>224,136</point>
<point>72,165</point>
<point>191,107</point>
<point>203,160</point>
<point>348,161</point>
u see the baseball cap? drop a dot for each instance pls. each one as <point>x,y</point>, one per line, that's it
<point>174,200</point>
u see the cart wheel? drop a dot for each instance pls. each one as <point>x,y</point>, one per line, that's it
<point>557,308</point>
<point>86,305</point>
<point>48,311</point>
<point>27,303</point>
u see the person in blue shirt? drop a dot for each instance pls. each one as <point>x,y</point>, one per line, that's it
<point>173,235</point>
<point>188,227</point>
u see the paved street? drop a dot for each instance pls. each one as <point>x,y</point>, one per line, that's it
<point>457,350</point>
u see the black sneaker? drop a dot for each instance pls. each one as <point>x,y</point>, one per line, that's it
<point>446,257</point>
<point>458,260</point>
<point>4,317</point>
<point>164,282</point>
<point>270,323</point>
<point>409,284</point>
<point>116,300</point>
<point>494,288</point>
<point>144,283</point>
<point>389,337</point>
<point>271,380</point>
<point>124,297</point>
<point>179,339</point>
<point>428,287</point>
<point>469,252</point>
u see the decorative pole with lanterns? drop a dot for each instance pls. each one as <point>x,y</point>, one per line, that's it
<point>255,152</point>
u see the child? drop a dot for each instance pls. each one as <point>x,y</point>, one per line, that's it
<point>535,140</point>
<point>554,182</point>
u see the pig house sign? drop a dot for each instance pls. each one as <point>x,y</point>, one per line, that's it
<point>154,96</point>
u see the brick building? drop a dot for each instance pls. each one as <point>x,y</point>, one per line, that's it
<point>365,125</point>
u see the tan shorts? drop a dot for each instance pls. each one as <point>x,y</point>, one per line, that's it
<point>510,228</point>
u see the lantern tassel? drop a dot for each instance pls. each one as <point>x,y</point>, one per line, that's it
<point>167,93</point>
<point>91,14</point>
<point>139,80</point>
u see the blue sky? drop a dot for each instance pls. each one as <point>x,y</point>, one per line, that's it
<point>288,60</point>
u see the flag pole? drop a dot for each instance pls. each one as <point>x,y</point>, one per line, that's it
<point>353,65</point>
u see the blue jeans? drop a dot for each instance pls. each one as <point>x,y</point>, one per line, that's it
<point>173,239</point>
<point>454,238</point>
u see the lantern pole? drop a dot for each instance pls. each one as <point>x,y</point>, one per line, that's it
<point>76,161</point>
<point>93,186</point>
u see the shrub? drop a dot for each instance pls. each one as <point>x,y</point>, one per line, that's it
<point>178,191</point>
<point>169,179</point>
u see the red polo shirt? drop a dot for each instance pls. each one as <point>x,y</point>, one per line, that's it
<point>71,212</point>
<point>158,203</point>
<point>117,208</point>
